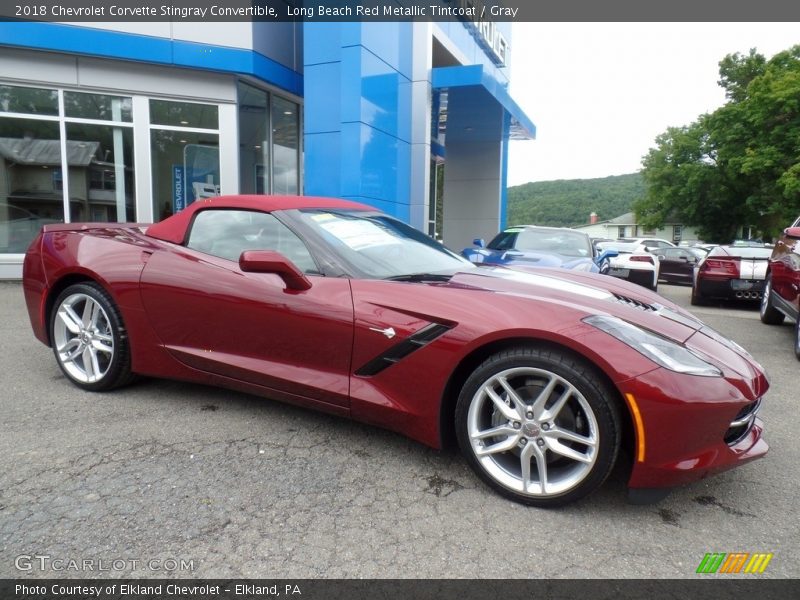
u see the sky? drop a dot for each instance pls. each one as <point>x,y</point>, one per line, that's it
<point>600,93</point>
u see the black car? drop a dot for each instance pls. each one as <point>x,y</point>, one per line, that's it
<point>676,265</point>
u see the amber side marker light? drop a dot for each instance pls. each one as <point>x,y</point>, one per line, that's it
<point>637,421</point>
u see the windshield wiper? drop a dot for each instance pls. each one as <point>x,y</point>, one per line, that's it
<point>416,277</point>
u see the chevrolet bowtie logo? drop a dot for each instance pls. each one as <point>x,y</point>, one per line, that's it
<point>388,332</point>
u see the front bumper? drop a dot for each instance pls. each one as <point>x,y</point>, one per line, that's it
<point>685,422</point>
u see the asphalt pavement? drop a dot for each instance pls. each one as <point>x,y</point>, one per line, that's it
<point>166,479</point>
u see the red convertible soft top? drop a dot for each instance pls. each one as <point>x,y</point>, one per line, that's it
<point>173,229</point>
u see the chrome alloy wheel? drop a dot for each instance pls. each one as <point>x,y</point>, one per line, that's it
<point>533,432</point>
<point>83,338</point>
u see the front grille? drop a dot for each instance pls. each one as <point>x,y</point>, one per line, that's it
<point>742,423</point>
<point>634,303</point>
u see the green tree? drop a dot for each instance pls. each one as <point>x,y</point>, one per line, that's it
<point>739,165</point>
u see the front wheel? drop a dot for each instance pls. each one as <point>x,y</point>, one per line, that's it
<point>539,426</point>
<point>89,340</point>
<point>768,313</point>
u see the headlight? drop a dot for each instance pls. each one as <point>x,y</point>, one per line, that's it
<point>660,350</point>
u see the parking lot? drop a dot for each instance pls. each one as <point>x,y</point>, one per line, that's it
<point>170,479</point>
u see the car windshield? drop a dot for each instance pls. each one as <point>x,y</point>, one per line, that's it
<point>381,247</point>
<point>551,241</point>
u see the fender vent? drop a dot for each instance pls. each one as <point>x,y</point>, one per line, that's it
<point>399,351</point>
<point>633,303</point>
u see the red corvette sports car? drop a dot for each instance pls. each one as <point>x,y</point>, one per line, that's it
<point>542,376</point>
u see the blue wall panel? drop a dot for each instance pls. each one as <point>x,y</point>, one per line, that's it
<point>322,158</point>
<point>362,66</point>
<point>323,111</point>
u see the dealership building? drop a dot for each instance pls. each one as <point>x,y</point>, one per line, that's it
<point>132,121</point>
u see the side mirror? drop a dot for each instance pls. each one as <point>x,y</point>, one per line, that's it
<point>792,232</point>
<point>479,242</point>
<point>268,261</point>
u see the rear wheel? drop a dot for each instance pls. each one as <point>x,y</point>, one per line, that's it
<point>89,340</point>
<point>697,298</point>
<point>769,314</point>
<point>797,337</point>
<point>538,426</point>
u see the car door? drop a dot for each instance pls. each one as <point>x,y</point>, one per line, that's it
<point>215,317</point>
<point>677,265</point>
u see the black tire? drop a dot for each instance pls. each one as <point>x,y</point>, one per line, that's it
<point>797,337</point>
<point>768,313</point>
<point>110,366</point>
<point>697,298</point>
<point>591,411</point>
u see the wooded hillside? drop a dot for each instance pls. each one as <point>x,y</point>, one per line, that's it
<point>568,202</point>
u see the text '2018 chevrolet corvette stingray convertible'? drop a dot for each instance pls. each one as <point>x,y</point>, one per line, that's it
<point>542,376</point>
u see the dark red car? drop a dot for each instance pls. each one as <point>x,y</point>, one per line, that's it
<point>731,272</point>
<point>543,376</point>
<point>782,289</point>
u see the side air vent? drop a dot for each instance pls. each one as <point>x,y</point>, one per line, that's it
<point>634,303</point>
<point>399,351</point>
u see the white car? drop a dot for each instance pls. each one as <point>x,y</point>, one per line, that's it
<point>644,244</point>
<point>633,263</point>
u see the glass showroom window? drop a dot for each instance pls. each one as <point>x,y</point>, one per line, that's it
<point>30,196</point>
<point>32,101</point>
<point>285,135</point>
<point>101,157</point>
<point>30,158</point>
<point>184,145</point>
<point>99,143</point>
<point>269,148</point>
<point>253,140</point>
<point>98,106</point>
<point>100,172</point>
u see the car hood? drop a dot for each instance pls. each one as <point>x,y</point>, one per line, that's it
<point>592,294</point>
<point>528,258</point>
